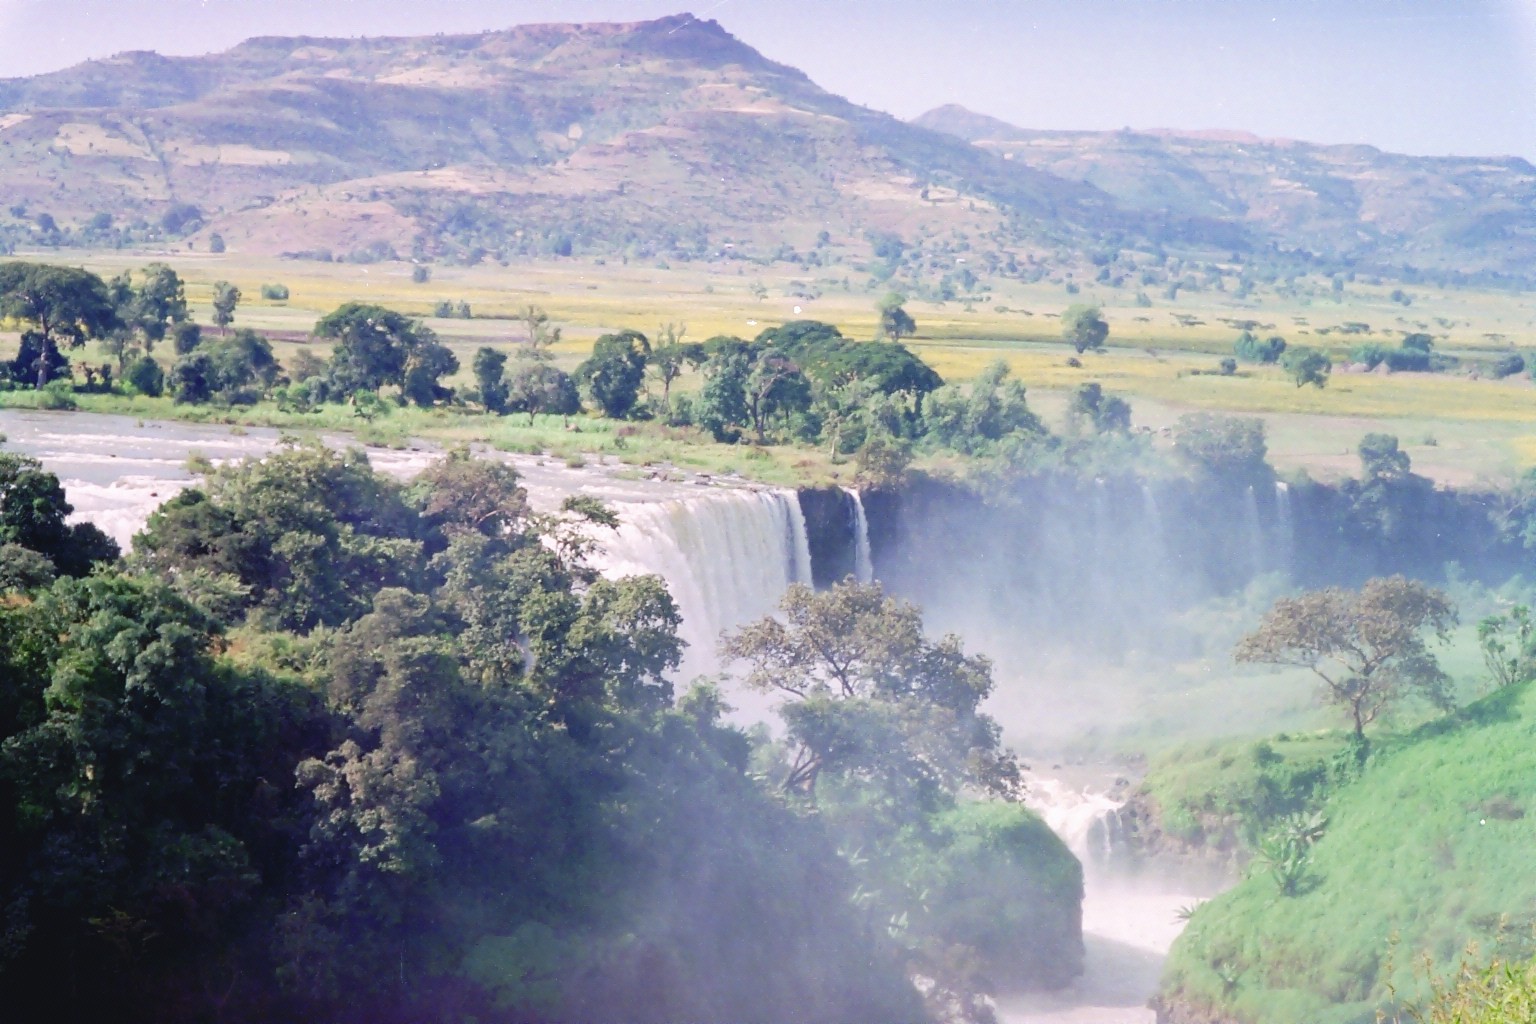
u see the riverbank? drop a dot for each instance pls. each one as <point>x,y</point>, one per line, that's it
<point>574,440</point>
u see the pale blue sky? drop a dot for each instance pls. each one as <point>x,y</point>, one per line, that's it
<point>1418,76</point>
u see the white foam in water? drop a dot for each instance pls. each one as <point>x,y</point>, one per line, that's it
<point>1128,922</point>
<point>727,555</point>
<point>863,567</point>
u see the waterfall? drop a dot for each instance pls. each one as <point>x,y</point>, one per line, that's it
<point>863,568</point>
<point>727,556</point>
<point>1086,820</point>
<point>1287,525</point>
<point>1255,531</point>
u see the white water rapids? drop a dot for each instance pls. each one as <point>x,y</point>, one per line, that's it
<point>1130,917</point>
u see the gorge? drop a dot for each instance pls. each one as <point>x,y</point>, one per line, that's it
<point>1058,566</point>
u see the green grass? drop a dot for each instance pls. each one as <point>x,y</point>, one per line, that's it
<point>1429,850</point>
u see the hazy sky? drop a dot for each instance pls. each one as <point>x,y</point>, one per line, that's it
<point>1418,76</point>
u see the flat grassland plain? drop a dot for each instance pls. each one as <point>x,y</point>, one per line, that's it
<point>1460,426</point>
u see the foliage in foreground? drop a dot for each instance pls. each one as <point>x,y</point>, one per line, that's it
<point>336,749</point>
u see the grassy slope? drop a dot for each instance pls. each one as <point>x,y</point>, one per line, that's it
<point>1428,851</point>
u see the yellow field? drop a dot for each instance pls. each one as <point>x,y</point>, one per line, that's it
<point>1161,358</point>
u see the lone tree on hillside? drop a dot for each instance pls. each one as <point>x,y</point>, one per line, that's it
<point>1083,328</point>
<point>1366,646</point>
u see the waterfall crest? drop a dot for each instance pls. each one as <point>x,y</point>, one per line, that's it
<point>727,557</point>
<point>863,567</point>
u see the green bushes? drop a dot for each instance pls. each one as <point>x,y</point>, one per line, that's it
<point>146,377</point>
<point>1250,349</point>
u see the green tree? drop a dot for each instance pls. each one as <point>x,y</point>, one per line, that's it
<point>896,323</point>
<point>722,406</point>
<point>994,406</point>
<point>869,696</point>
<point>490,368</point>
<point>60,305</point>
<point>1307,366</point>
<point>539,335</point>
<point>185,337</point>
<point>1366,646</point>
<point>148,799</point>
<point>541,388</point>
<point>615,372</point>
<point>146,377</point>
<point>34,514</point>
<point>1382,460</point>
<point>312,534</point>
<point>774,386</point>
<point>1508,643</point>
<point>159,301</point>
<point>193,380</point>
<point>225,298</point>
<point>1251,350</point>
<point>670,356</point>
<point>1084,328</point>
<point>1223,445</point>
<point>1104,413</point>
<point>376,347</point>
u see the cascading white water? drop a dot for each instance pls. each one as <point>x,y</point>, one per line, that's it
<point>863,567</point>
<point>1128,921</point>
<point>1287,524</point>
<point>727,555</point>
<point>1255,530</point>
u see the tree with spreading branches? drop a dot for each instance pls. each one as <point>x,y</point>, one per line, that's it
<point>1367,646</point>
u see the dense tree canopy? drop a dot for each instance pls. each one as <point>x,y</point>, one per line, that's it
<point>468,789</point>
<point>377,347</point>
<point>616,372</point>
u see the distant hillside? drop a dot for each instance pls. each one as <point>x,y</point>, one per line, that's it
<point>659,136</point>
<point>1345,202</point>
<point>673,139</point>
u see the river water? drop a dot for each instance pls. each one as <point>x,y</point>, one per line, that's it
<point>1131,914</point>
<point>727,550</point>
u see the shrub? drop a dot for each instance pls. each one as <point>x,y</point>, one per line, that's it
<point>57,395</point>
<point>1250,349</point>
<point>1507,366</point>
<point>1371,354</point>
<point>274,292</point>
<point>146,377</point>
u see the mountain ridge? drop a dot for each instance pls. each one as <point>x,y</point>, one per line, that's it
<point>668,137</point>
<point>1349,199</point>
